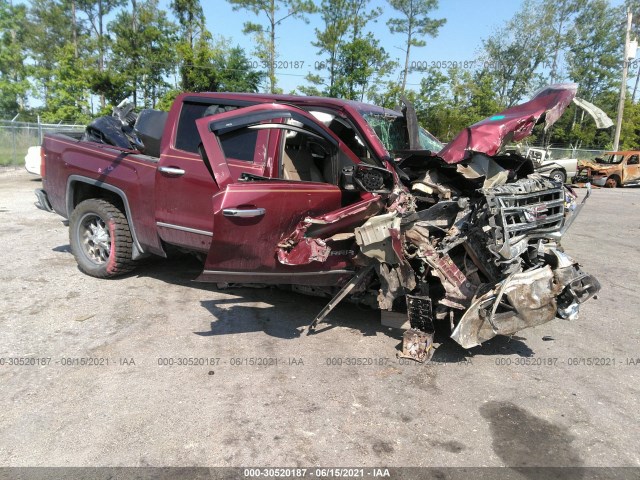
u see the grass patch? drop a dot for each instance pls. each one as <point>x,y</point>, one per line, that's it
<point>13,147</point>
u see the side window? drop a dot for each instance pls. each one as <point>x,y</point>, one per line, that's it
<point>187,137</point>
<point>240,144</point>
<point>633,160</point>
<point>305,157</point>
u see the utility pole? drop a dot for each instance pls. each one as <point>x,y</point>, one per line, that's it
<point>623,85</point>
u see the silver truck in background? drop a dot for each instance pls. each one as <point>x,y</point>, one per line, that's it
<point>559,169</point>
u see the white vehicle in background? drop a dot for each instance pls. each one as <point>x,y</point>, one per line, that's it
<point>32,160</point>
<point>558,169</point>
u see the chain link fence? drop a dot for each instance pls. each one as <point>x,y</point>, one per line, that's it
<point>557,153</point>
<point>17,137</point>
<point>579,153</point>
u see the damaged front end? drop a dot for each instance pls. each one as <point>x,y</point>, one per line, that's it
<point>469,236</point>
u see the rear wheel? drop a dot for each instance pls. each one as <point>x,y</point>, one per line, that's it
<point>558,176</point>
<point>100,239</point>
<point>612,182</point>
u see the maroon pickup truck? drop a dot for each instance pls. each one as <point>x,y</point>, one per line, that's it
<point>334,197</point>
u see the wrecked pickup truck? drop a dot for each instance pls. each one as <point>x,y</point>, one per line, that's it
<point>332,197</point>
<point>614,169</point>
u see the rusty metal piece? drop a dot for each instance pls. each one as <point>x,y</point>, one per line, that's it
<point>417,345</point>
<point>394,282</point>
<point>420,313</point>
<point>456,284</point>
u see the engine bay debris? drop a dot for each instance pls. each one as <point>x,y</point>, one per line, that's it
<point>469,236</point>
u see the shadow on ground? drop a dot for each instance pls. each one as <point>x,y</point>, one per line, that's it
<point>282,313</point>
<point>523,440</point>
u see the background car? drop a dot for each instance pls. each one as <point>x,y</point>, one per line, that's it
<point>32,160</point>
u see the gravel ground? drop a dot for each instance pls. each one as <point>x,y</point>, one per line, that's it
<point>532,400</point>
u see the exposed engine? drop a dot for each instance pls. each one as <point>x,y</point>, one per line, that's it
<point>487,259</point>
<point>468,235</point>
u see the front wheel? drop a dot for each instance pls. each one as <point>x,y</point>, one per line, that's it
<point>100,239</point>
<point>612,182</point>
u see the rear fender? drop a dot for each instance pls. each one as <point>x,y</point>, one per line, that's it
<point>72,183</point>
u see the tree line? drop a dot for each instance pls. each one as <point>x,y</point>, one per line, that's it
<point>77,58</point>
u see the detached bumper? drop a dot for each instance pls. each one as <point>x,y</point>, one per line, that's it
<point>42,201</point>
<point>525,300</point>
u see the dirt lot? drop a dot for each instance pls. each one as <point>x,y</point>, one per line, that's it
<point>561,394</point>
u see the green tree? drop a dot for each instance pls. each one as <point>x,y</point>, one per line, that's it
<point>96,11</point>
<point>514,54</point>
<point>356,64</point>
<point>144,50</point>
<point>335,15</point>
<point>235,71</point>
<point>48,32</point>
<point>595,53</point>
<point>193,49</point>
<point>218,68</point>
<point>68,92</point>
<point>630,132</point>
<point>276,12</point>
<point>415,24</point>
<point>361,63</point>
<point>14,84</point>
<point>559,22</point>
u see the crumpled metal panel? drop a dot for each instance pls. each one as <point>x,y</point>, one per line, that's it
<point>532,297</point>
<point>308,242</point>
<point>307,250</point>
<point>417,345</point>
<point>376,238</point>
<point>511,125</point>
<point>394,282</point>
<point>602,119</point>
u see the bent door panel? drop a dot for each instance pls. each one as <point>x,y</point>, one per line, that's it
<point>251,218</point>
<point>631,170</point>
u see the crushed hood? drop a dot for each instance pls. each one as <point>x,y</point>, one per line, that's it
<point>511,125</point>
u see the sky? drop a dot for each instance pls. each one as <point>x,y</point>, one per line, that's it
<point>468,22</point>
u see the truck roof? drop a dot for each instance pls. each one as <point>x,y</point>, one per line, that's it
<point>622,152</point>
<point>296,99</point>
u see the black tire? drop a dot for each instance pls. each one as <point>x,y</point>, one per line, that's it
<point>100,239</point>
<point>612,182</point>
<point>558,175</point>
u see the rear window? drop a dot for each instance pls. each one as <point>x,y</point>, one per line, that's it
<point>187,137</point>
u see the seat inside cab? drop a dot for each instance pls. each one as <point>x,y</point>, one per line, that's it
<point>302,159</point>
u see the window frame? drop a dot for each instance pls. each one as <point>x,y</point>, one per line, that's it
<point>206,102</point>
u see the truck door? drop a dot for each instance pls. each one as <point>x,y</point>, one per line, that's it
<point>251,217</point>
<point>183,185</point>
<point>631,171</point>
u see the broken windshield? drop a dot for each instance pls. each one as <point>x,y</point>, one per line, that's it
<point>392,132</point>
<point>610,159</point>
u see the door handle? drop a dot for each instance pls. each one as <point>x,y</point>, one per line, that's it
<point>242,213</point>
<point>171,171</point>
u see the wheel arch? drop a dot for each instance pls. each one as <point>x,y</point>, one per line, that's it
<point>615,177</point>
<point>81,188</point>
